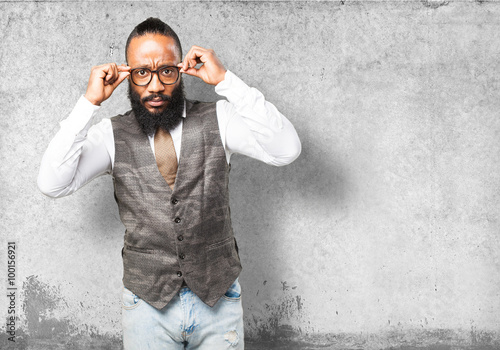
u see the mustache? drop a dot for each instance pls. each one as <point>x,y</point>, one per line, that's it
<point>156,97</point>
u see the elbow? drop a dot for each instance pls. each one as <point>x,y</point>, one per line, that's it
<point>289,155</point>
<point>46,189</point>
<point>293,154</point>
<point>292,147</point>
<point>296,150</point>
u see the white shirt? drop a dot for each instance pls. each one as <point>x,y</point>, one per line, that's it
<point>248,125</point>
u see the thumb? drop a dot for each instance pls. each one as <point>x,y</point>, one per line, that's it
<point>190,71</point>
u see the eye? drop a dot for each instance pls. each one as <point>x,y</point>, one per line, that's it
<point>166,72</point>
<point>141,72</point>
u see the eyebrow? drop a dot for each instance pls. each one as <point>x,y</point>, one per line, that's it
<point>149,66</point>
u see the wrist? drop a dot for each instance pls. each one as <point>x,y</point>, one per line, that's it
<point>221,78</point>
<point>94,101</point>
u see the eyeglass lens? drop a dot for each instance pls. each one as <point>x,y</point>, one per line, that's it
<point>143,76</point>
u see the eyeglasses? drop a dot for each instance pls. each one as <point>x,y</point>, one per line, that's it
<point>168,75</point>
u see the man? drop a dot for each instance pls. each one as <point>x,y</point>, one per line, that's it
<point>169,159</point>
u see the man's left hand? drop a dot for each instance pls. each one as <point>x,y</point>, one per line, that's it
<point>211,72</point>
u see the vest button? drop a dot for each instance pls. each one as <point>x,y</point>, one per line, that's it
<point>174,201</point>
<point>182,256</point>
<point>179,274</point>
<point>177,220</point>
<point>180,238</point>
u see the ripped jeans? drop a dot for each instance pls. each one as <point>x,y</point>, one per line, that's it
<point>185,323</point>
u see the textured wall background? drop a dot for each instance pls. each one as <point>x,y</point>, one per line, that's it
<point>383,234</point>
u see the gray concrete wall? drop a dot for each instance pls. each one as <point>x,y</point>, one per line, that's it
<point>383,234</point>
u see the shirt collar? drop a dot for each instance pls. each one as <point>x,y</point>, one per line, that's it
<point>184,111</point>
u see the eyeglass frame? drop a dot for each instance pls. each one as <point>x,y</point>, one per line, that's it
<point>157,73</point>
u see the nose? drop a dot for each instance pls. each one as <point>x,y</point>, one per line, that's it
<point>155,85</point>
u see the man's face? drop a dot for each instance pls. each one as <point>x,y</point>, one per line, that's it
<point>153,51</point>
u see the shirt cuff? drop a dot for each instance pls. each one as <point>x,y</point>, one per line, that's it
<point>80,118</point>
<point>232,87</point>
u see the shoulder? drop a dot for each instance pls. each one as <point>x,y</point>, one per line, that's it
<point>200,108</point>
<point>202,115</point>
<point>126,125</point>
<point>121,118</point>
<point>123,121</point>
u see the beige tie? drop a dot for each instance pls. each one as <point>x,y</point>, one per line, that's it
<point>165,156</point>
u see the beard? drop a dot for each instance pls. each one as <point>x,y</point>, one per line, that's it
<point>167,119</point>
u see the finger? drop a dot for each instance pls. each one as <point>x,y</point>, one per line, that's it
<point>99,72</point>
<point>200,54</point>
<point>123,68</point>
<point>121,77</point>
<point>190,71</point>
<point>108,72</point>
<point>193,57</point>
<point>185,63</point>
<point>190,62</point>
<point>111,74</point>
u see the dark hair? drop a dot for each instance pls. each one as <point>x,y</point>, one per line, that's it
<point>154,26</point>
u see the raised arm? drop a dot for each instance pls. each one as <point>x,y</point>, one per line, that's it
<point>78,152</point>
<point>249,124</point>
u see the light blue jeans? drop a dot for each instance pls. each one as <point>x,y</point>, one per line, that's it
<point>185,323</point>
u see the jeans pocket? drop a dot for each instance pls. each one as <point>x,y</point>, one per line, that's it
<point>130,300</point>
<point>234,292</point>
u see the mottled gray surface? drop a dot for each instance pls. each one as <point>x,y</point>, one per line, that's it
<point>383,234</point>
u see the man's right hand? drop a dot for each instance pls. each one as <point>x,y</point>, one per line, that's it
<point>103,80</point>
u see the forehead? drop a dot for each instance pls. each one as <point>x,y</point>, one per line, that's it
<point>152,49</point>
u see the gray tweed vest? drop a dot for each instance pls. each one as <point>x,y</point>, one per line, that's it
<point>179,235</point>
